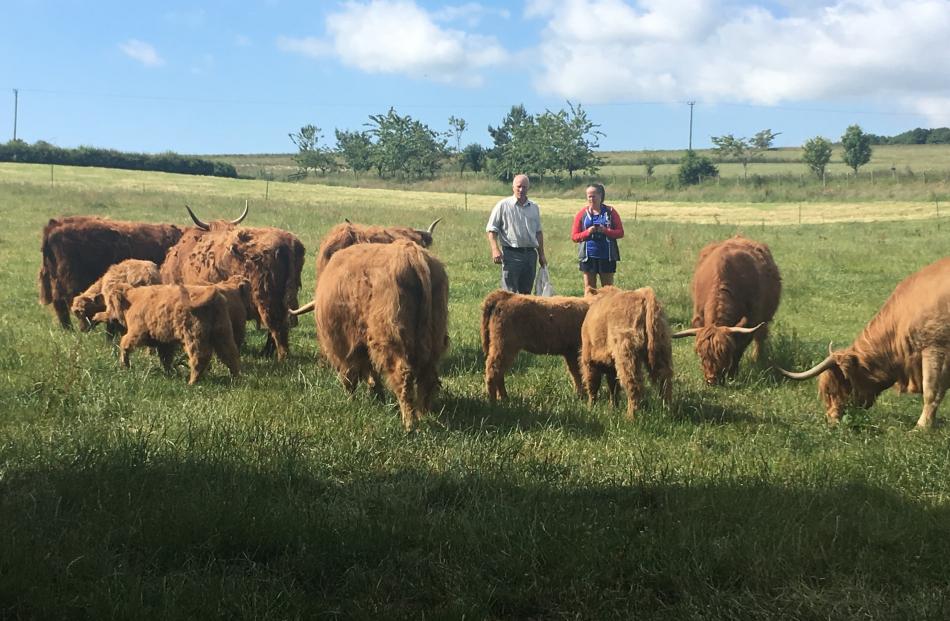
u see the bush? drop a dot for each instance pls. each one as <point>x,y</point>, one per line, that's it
<point>694,168</point>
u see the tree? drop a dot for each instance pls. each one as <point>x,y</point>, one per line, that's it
<point>694,168</point>
<point>499,157</point>
<point>458,127</point>
<point>356,149</point>
<point>473,156</point>
<point>404,146</point>
<point>311,155</point>
<point>857,147</point>
<point>650,164</point>
<point>816,153</point>
<point>737,148</point>
<point>581,140</point>
<point>744,150</point>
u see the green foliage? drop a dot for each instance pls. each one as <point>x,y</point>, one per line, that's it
<point>42,152</point>
<point>551,143</point>
<point>404,146</point>
<point>816,153</point>
<point>311,154</point>
<point>857,147</point>
<point>919,135</point>
<point>356,149</point>
<point>744,150</point>
<point>695,168</point>
<point>473,157</point>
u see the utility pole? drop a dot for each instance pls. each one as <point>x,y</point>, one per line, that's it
<point>691,104</point>
<point>16,95</point>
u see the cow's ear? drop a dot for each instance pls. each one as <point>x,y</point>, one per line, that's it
<point>743,323</point>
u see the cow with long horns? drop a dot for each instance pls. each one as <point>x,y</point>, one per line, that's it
<point>270,259</point>
<point>381,315</point>
<point>736,289</point>
<point>347,234</point>
<point>907,343</point>
<point>77,251</point>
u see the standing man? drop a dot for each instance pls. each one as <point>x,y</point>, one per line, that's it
<point>515,237</point>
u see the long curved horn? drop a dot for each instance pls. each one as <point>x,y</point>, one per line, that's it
<point>242,216</point>
<point>432,226</point>
<point>303,310</point>
<point>689,332</point>
<point>200,224</point>
<point>738,330</point>
<point>816,370</point>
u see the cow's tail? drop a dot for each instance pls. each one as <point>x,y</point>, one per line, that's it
<point>488,309</point>
<point>425,321</point>
<point>659,351</point>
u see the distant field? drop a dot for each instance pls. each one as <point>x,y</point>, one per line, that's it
<point>895,173</point>
<point>128,494</point>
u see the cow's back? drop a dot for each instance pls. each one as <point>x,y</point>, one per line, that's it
<point>735,278</point>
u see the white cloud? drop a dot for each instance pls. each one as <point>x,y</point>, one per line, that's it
<point>721,50</point>
<point>141,52</point>
<point>471,13</point>
<point>399,37</point>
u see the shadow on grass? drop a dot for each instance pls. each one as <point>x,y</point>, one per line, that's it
<point>705,406</point>
<point>478,415</point>
<point>157,530</point>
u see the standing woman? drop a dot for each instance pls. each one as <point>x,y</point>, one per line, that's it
<point>597,227</point>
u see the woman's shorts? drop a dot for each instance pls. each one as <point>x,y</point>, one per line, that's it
<point>598,266</point>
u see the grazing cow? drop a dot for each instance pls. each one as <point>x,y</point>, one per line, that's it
<point>623,333</point>
<point>270,259</point>
<point>77,251</point>
<point>906,344</point>
<point>736,288</point>
<point>382,311</point>
<point>163,316</point>
<point>348,234</point>
<point>512,322</point>
<point>134,272</point>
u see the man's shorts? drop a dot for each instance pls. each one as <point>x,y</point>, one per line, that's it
<point>598,266</point>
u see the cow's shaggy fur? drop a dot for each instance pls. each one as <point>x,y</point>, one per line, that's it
<point>512,322</point>
<point>906,344</point>
<point>348,234</point>
<point>735,284</point>
<point>625,333</point>
<point>134,272</point>
<point>270,259</point>
<point>381,314</point>
<point>164,316</point>
<point>77,251</point>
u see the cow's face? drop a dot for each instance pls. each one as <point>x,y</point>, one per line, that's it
<point>85,307</point>
<point>844,384</point>
<point>716,351</point>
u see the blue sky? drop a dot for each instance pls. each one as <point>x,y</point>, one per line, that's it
<point>223,77</point>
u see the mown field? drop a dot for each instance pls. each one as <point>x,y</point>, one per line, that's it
<point>127,493</point>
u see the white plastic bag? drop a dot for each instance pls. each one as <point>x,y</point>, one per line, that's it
<point>542,283</point>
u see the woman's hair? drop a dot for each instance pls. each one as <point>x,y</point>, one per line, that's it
<point>600,190</point>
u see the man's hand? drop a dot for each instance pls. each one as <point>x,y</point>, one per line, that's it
<point>542,260</point>
<point>496,256</point>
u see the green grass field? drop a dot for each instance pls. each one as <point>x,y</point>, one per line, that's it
<point>128,494</point>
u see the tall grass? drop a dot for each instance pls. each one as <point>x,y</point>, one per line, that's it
<point>130,494</point>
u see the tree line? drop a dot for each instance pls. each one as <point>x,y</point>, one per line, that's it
<point>42,152</point>
<point>551,144</point>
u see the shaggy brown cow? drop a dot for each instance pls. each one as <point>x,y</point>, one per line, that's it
<point>736,288</point>
<point>237,293</point>
<point>163,316</point>
<point>623,333</point>
<point>347,234</point>
<point>512,322</point>
<point>134,272</point>
<point>907,343</point>
<point>77,251</point>
<point>382,311</point>
<point>270,259</point>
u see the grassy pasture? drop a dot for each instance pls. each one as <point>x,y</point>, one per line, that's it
<point>130,494</point>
